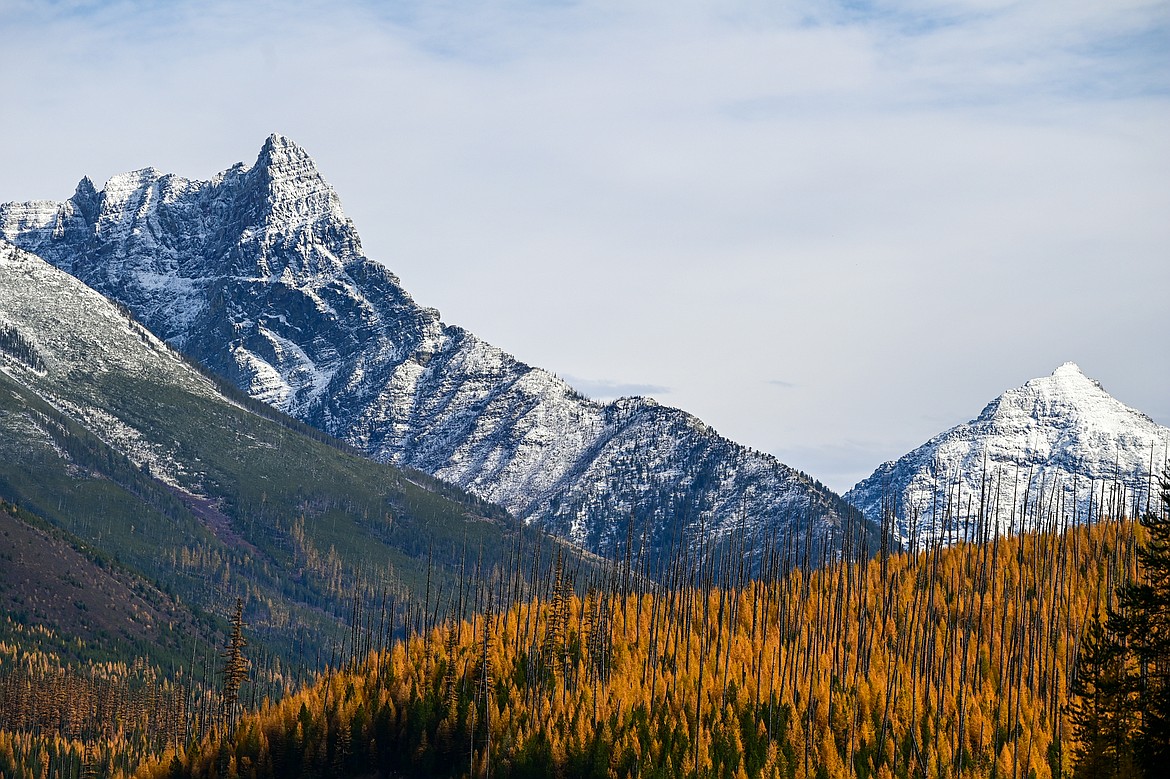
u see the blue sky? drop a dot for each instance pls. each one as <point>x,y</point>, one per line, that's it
<point>828,230</point>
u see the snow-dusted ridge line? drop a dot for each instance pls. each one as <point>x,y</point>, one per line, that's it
<point>41,296</point>
<point>1058,442</point>
<point>260,276</point>
<point>79,335</point>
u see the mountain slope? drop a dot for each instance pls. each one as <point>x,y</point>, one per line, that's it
<point>1059,435</point>
<point>919,665</point>
<point>58,594</point>
<point>108,434</point>
<point>259,276</point>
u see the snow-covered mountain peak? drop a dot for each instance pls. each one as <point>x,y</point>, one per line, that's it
<point>85,197</point>
<point>129,202</point>
<point>1066,400</point>
<point>260,276</point>
<point>281,150</point>
<point>295,190</point>
<point>122,185</point>
<point>1068,368</point>
<point>1068,380</point>
<point>1061,433</point>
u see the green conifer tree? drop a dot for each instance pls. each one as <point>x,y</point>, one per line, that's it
<point>1142,624</point>
<point>1102,712</point>
<point>1121,708</point>
<point>235,668</point>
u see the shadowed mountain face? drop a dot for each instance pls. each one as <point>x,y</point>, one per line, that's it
<point>259,275</point>
<point>1060,441</point>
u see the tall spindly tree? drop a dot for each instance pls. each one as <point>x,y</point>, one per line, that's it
<point>235,667</point>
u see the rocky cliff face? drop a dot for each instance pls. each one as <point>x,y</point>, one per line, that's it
<point>259,275</point>
<point>1058,449</point>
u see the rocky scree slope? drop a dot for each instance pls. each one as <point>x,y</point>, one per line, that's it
<point>259,275</point>
<point>1058,449</point>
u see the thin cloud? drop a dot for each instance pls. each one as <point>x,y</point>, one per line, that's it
<point>604,389</point>
<point>840,465</point>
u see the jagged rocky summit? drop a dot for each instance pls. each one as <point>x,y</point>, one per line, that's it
<point>1056,451</point>
<point>259,275</point>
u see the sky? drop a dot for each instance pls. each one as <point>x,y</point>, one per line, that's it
<point>831,230</point>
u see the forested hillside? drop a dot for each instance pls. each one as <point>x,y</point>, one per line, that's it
<point>952,662</point>
<point>125,457</point>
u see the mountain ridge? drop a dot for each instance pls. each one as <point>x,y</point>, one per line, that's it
<point>111,436</point>
<point>259,276</point>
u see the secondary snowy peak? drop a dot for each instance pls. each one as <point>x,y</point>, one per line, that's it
<point>260,276</point>
<point>1060,441</point>
<point>1068,418</point>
